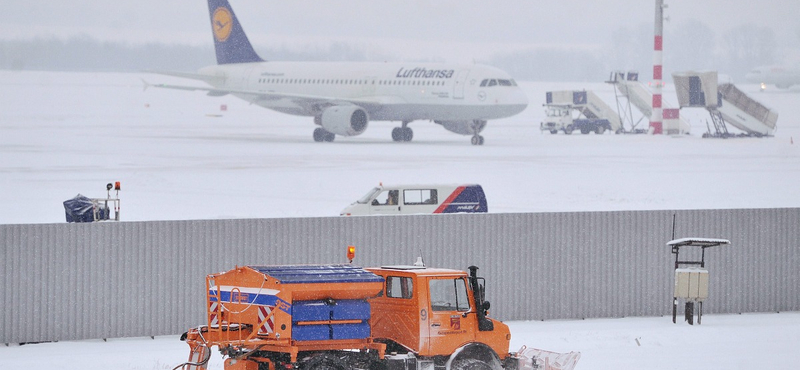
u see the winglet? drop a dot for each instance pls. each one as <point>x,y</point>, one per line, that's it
<point>230,41</point>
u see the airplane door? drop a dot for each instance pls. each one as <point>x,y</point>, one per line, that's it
<point>248,79</point>
<point>460,81</point>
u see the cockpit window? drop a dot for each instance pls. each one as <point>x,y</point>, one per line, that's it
<point>496,82</point>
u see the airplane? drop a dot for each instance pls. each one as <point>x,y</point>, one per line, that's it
<point>344,96</point>
<point>783,77</point>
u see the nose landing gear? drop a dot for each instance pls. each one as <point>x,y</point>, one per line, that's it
<point>477,126</point>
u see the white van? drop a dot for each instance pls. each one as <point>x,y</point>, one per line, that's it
<point>409,199</point>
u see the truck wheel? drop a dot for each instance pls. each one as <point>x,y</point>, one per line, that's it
<point>553,132</point>
<point>600,130</point>
<point>568,129</point>
<point>470,364</point>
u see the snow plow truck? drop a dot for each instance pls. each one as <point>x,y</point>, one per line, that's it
<point>342,317</point>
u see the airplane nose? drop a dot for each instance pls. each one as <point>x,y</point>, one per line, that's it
<point>522,98</point>
<point>519,99</point>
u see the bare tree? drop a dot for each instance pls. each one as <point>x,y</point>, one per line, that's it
<point>692,45</point>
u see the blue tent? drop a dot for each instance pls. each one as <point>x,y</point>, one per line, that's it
<point>81,209</point>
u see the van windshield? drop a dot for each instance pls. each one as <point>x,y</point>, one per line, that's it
<point>367,197</point>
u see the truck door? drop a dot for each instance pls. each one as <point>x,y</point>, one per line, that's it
<point>386,202</point>
<point>449,325</point>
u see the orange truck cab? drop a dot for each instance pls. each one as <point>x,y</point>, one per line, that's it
<point>342,317</point>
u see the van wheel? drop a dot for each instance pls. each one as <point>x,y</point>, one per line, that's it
<point>470,364</point>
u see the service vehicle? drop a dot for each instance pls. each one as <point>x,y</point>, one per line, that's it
<point>413,199</point>
<point>559,118</point>
<point>342,317</point>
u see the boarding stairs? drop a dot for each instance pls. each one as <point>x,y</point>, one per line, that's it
<point>640,96</point>
<point>726,105</point>
<point>588,104</point>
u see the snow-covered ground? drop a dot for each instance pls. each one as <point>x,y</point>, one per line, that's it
<point>724,342</point>
<point>179,156</point>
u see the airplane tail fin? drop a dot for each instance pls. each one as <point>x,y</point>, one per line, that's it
<point>230,41</point>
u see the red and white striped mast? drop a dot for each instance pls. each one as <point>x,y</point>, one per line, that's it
<point>656,118</point>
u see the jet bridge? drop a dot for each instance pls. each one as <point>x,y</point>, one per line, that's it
<point>639,95</point>
<point>726,104</point>
<point>586,103</point>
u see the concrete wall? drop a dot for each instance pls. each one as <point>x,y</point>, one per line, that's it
<point>126,279</point>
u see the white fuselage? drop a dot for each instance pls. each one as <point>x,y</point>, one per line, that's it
<point>780,76</point>
<point>387,91</point>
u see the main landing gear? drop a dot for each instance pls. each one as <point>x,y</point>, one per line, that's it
<point>321,134</point>
<point>403,133</point>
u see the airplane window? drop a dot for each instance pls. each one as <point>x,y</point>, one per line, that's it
<point>504,82</point>
<point>492,82</point>
<point>484,82</point>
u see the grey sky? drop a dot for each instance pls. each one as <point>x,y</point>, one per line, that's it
<point>447,29</point>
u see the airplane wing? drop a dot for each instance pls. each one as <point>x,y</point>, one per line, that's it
<point>310,102</point>
<point>210,79</point>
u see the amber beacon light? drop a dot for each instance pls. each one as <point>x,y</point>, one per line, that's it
<point>351,253</point>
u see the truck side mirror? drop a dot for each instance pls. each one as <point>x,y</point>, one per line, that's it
<point>486,305</point>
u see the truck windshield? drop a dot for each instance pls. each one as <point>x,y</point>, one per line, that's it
<point>367,197</point>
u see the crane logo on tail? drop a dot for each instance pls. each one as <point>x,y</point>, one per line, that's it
<point>222,23</point>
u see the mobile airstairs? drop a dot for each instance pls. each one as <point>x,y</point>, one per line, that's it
<point>598,115</point>
<point>637,94</point>
<point>726,104</point>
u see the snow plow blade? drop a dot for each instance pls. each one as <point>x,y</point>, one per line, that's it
<point>538,359</point>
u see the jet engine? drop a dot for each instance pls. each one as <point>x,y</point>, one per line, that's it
<point>344,120</point>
